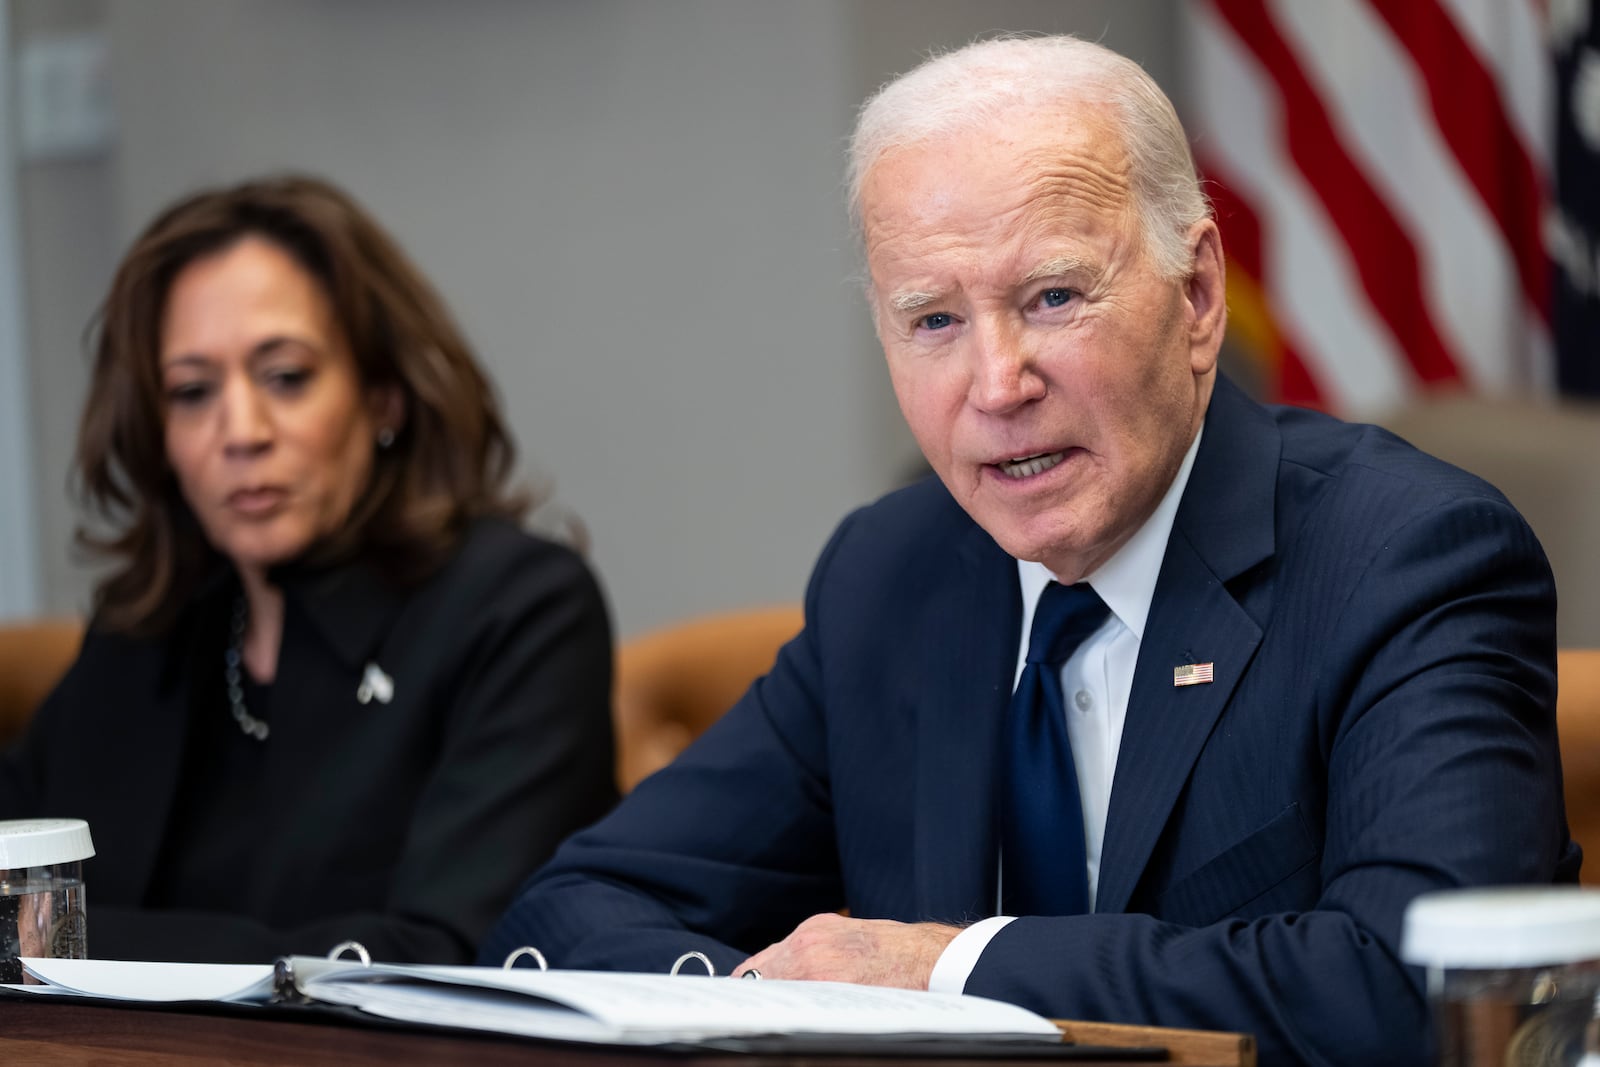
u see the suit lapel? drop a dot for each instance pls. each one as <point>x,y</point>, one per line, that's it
<point>1223,528</point>
<point>148,749</point>
<point>1193,620</point>
<point>154,759</point>
<point>334,624</point>
<point>967,632</point>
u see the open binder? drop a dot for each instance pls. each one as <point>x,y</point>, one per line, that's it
<point>598,1007</point>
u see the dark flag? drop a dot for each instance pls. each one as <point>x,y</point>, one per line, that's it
<point>1574,234</point>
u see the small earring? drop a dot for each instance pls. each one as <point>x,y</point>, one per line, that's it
<point>385,437</point>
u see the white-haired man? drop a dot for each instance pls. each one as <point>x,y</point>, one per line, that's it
<point>1156,705</point>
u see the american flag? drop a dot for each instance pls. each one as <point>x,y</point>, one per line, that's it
<point>1384,176</point>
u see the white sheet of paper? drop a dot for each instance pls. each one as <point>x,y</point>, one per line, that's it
<point>567,1005</point>
<point>139,980</point>
<point>651,1008</point>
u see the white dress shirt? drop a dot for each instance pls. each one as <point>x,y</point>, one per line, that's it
<point>1095,683</point>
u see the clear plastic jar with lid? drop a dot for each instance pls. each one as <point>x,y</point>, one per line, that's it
<point>1512,973</point>
<point>42,891</point>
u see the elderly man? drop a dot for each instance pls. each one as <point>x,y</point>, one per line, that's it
<point>1157,705</point>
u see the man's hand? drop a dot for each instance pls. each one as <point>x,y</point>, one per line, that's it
<point>868,951</point>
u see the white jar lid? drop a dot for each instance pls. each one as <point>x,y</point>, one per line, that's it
<point>40,842</point>
<point>1521,926</point>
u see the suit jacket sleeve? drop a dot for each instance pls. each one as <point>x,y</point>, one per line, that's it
<point>722,852</point>
<point>1434,713</point>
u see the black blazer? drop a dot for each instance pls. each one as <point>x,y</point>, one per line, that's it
<point>1381,723</point>
<point>403,825</point>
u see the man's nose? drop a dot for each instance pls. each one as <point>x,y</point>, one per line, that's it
<point>246,420</point>
<point>1004,374</point>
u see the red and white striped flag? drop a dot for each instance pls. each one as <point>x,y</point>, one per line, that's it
<point>1381,171</point>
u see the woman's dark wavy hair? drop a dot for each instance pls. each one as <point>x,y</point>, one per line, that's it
<point>450,460</point>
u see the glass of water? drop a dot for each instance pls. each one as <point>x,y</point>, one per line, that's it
<point>42,894</point>
<point>1513,974</point>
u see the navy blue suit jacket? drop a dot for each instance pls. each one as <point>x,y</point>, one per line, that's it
<point>1381,723</point>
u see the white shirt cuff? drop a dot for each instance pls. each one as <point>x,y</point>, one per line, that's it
<point>955,964</point>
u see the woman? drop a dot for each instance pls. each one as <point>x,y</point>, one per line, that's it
<point>331,690</point>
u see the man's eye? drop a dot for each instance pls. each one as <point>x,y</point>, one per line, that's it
<point>1054,298</point>
<point>937,321</point>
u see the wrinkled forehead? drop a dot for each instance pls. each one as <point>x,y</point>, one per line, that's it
<point>1061,163</point>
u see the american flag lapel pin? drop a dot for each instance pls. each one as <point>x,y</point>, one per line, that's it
<point>1192,674</point>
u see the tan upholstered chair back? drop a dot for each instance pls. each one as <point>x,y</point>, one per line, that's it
<point>33,657</point>
<point>1578,715</point>
<point>674,682</point>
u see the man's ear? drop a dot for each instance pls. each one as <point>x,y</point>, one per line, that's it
<point>1206,291</point>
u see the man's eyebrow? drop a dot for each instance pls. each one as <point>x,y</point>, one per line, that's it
<point>912,300</point>
<point>1059,267</point>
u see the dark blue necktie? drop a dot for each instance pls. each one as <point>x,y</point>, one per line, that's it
<point>1044,867</point>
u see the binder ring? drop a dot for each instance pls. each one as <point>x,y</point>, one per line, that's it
<point>351,946</point>
<point>525,950</point>
<point>711,969</point>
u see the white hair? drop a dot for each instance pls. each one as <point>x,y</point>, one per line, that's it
<point>983,81</point>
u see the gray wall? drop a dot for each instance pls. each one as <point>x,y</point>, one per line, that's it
<point>633,207</point>
<point>70,237</point>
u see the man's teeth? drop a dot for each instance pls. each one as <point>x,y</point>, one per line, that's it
<point>1028,466</point>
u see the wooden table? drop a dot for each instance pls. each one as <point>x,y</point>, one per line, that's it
<point>60,1031</point>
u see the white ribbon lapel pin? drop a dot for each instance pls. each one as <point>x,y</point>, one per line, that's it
<point>375,685</point>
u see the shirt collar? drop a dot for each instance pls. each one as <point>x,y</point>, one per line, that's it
<point>350,605</point>
<point>1126,581</point>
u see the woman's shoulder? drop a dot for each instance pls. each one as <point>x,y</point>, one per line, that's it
<point>202,610</point>
<point>498,559</point>
<point>496,544</point>
<point>132,664</point>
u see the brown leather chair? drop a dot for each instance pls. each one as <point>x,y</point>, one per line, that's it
<point>33,657</point>
<point>1578,719</point>
<point>674,682</point>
